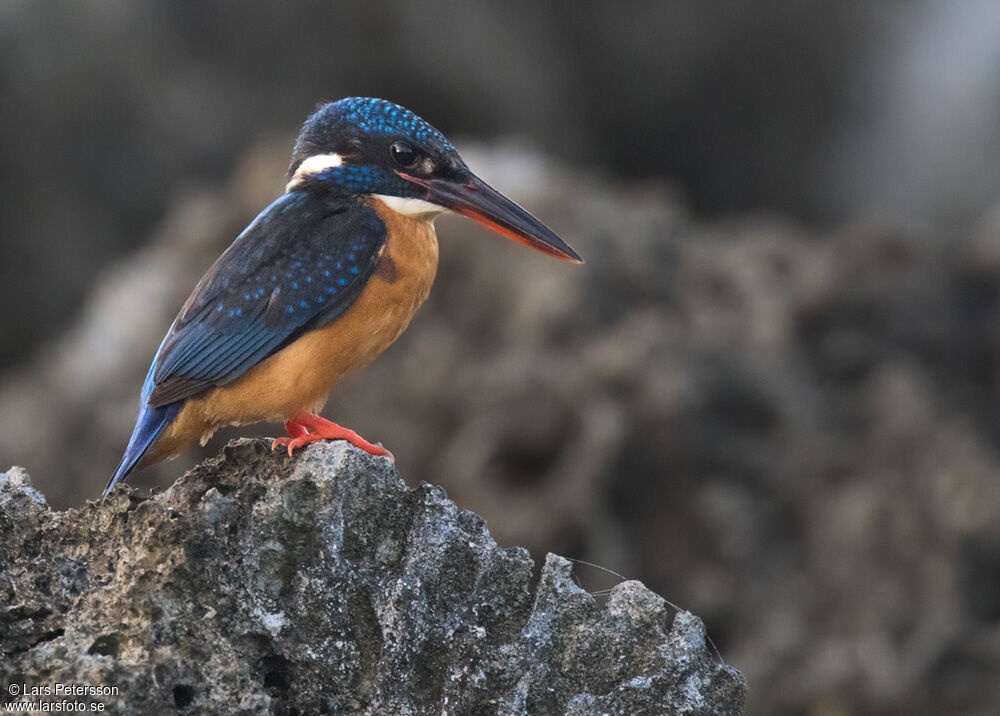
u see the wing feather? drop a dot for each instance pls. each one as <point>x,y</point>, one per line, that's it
<point>301,263</point>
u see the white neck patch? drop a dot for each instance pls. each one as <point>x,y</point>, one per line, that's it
<point>313,165</point>
<point>410,207</point>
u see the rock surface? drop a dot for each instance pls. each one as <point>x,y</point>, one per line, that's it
<point>259,584</point>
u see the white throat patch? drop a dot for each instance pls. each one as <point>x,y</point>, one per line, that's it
<point>313,165</point>
<point>410,207</point>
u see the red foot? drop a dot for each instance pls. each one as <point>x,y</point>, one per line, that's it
<point>310,428</point>
<point>296,430</point>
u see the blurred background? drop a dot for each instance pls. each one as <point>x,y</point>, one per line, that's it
<point>771,393</point>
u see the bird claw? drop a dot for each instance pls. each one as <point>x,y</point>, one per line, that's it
<point>385,453</point>
<point>282,442</point>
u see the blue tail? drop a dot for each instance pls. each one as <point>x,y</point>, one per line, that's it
<point>148,427</point>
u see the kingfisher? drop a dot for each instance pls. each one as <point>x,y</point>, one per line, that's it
<point>321,282</point>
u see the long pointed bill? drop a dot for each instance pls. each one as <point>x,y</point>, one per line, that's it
<point>478,200</point>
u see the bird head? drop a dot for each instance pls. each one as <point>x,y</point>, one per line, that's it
<point>372,147</point>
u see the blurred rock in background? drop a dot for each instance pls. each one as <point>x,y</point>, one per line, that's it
<point>786,425</point>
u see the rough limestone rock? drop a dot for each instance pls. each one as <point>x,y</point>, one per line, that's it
<point>323,584</point>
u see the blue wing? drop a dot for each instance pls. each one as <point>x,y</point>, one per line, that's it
<point>297,267</point>
<point>301,263</point>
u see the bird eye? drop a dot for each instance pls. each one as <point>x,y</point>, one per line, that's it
<point>404,155</point>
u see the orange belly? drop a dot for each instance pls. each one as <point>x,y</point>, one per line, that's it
<point>296,379</point>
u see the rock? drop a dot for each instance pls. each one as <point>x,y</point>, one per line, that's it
<point>323,584</point>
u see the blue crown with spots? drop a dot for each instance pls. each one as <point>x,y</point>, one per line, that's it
<point>350,125</point>
<point>361,130</point>
<point>379,116</point>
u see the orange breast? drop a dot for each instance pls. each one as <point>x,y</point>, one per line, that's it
<point>297,378</point>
